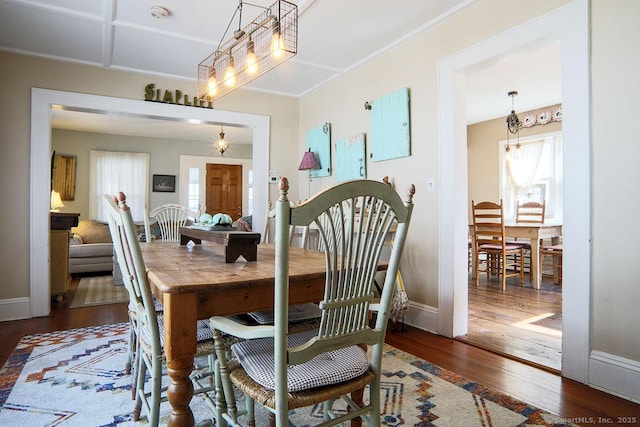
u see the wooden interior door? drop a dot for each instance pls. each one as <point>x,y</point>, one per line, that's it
<point>224,189</point>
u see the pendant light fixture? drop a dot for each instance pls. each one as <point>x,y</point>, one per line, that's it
<point>267,41</point>
<point>513,122</point>
<point>221,144</point>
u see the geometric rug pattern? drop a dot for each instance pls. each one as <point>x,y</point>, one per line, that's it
<point>98,290</point>
<point>76,378</point>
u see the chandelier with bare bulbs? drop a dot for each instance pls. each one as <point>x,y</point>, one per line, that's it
<point>267,41</point>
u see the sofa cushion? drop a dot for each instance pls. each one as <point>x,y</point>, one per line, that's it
<point>92,231</point>
<point>91,250</point>
<point>90,265</point>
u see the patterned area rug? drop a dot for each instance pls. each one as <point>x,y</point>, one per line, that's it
<point>76,378</point>
<point>98,290</point>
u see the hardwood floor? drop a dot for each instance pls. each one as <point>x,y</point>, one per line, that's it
<point>572,401</point>
<point>519,322</point>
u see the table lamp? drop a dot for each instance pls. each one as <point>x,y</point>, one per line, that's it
<point>56,201</point>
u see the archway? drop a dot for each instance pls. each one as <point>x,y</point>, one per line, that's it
<point>41,102</point>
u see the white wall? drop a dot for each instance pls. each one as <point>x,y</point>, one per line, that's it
<point>615,180</point>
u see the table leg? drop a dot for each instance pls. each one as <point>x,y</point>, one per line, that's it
<point>180,318</point>
<point>535,262</point>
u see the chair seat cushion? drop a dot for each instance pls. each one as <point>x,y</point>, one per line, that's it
<point>203,331</point>
<point>499,247</point>
<point>257,359</point>
<point>297,313</point>
<point>523,243</point>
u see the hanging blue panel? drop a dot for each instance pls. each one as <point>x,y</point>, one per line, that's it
<point>319,141</point>
<point>390,126</point>
<point>351,162</point>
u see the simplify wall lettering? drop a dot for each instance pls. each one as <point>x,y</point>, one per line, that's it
<point>173,97</point>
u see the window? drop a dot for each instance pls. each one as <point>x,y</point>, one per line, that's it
<point>193,197</point>
<point>533,172</point>
<point>111,172</point>
<point>250,193</point>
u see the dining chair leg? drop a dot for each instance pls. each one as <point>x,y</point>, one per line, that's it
<point>521,256</point>
<point>358,398</point>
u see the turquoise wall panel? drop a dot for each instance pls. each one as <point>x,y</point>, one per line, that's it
<point>351,161</point>
<point>390,126</point>
<point>319,141</point>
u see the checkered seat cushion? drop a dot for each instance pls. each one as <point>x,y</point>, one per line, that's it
<point>256,357</point>
<point>203,331</point>
<point>297,313</point>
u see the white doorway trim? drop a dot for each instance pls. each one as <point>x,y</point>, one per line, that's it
<point>42,101</point>
<point>570,24</point>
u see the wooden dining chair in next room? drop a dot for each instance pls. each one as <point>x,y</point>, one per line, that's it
<point>146,321</point>
<point>528,213</point>
<point>551,262</point>
<point>501,258</point>
<point>286,371</point>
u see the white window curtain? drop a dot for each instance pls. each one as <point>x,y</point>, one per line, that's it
<point>112,172</point>
<point>522,164</point>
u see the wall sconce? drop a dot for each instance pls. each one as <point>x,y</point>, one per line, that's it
<point>308,163</point>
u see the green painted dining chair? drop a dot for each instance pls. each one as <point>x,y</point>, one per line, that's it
<point>146,322</point>
<point>282,370</point>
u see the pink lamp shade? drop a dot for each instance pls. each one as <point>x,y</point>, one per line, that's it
<point>309,161</point>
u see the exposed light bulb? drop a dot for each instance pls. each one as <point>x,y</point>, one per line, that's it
<point>277,45</point>
<point>251,61</point>
<point>212,86</point>
<point>230,74</point>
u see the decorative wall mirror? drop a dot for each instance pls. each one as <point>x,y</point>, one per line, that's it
<point>64,176</point>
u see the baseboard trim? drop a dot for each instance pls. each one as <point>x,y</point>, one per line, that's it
<point>15,309</point>
<point>422,316</point>
<point>615,375</point>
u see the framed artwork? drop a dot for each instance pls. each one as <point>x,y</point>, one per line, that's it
<point>164,183</point>
<point>63,176</point>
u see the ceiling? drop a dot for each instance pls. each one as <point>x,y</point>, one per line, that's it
<point>335,36</point>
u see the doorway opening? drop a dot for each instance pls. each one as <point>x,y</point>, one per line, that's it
<point>43,100</point>
<point>571,25</point>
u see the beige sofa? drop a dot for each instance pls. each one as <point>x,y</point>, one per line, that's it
<point>90,248</point>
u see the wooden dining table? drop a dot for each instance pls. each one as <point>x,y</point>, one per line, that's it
<point>194,282</point>
<point>532,232</point>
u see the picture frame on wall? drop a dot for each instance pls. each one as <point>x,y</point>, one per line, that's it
<point>164,183</point>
